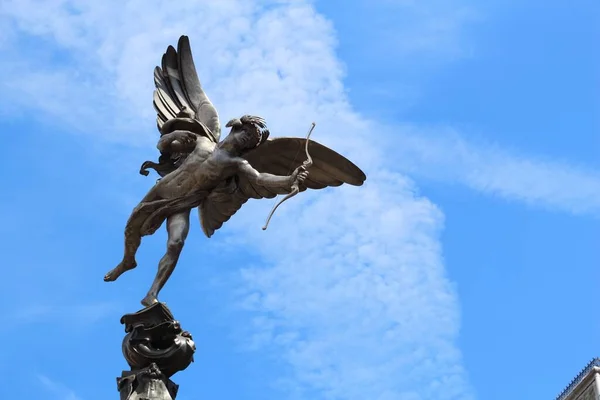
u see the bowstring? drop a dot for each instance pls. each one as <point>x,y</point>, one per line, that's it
<point>294,160</point>
<point>300,148</point>
<point>292,165</point>
<point>289,172</point>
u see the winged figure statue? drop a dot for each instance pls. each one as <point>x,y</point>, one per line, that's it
<point>199,170</point>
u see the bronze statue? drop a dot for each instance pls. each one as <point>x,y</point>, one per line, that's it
<point>217,177</point>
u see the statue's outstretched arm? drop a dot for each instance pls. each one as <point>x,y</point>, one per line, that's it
<point>264,179</point>
<point>177,142</point>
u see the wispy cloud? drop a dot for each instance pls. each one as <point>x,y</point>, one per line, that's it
<point>366,312</point>
<point>58,390</point>
<point>445,155</point>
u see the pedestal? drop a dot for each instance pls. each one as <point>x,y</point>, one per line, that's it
<point>155,348</point>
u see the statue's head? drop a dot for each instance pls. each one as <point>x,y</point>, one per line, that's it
<point>247,132</point>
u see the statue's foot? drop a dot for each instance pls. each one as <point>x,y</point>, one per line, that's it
<point>119,270</point>
<point>149,300</point>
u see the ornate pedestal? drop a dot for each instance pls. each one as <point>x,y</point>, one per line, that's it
<point>155,348</point>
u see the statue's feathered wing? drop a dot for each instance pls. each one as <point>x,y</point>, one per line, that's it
<point>178,87</point>
<point>279,156</point>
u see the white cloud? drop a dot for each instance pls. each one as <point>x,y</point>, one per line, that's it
<point>366,312</point>
<point>442,154</point>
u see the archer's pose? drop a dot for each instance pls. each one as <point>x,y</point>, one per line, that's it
<point>216,177</point>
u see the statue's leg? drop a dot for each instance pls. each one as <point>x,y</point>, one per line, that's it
<point>133,239</point>
<point>178,226</point>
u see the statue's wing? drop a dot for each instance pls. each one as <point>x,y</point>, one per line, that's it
<point>219,206</point>
<point>178,86</point>
<point>280,156</point>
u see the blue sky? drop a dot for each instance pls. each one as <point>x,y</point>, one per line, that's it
<point>464,269</point>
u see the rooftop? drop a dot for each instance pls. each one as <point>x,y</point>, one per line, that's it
<point>571,386</point>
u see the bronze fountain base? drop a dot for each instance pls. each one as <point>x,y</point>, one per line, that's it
<point>155,348</point>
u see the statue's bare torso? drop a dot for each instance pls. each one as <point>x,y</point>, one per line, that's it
<point>202,170</point>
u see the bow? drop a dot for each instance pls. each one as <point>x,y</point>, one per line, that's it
<point>296,185</point>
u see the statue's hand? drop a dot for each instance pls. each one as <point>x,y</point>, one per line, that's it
<point>177,141</point>
<point>299,175</point>
<point>185,113</point>
<point>186,138</point>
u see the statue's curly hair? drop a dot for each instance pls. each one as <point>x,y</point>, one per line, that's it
<point>257,126</point>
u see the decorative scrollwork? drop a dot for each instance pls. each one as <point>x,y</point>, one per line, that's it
<point>155,337</point>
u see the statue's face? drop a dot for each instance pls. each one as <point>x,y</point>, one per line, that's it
<point>247,132</point>
<point>243,137</point>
